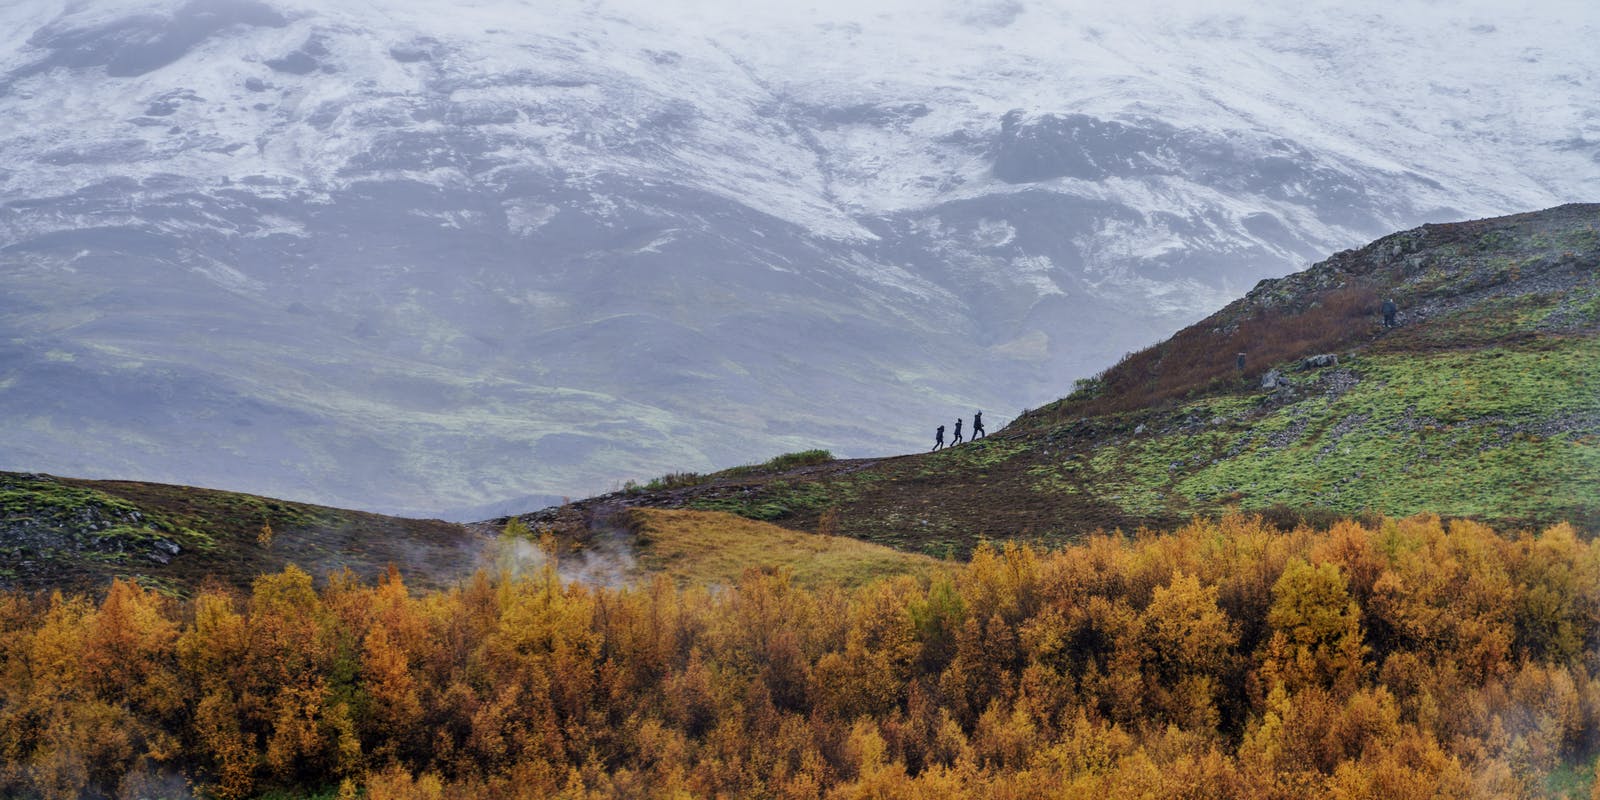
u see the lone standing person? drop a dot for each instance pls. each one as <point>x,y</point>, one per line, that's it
<point>977,425</point>
<point>957,438</point>
<point>1389,310</point>
<point>1239,361</point>
<point>938,438</point>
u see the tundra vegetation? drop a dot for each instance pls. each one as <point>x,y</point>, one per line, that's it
<point>1389,658</point>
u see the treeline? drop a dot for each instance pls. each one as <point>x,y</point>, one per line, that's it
<point>1406,659</point>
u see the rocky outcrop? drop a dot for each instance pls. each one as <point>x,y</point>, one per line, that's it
<point>43,520</point>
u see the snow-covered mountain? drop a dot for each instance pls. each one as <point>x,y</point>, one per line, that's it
<point>414,256</point>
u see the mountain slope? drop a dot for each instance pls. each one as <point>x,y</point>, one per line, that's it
<point>1484,402</point>
<point>77,535</point>
<point>71,534</point>
<point>368,254</point>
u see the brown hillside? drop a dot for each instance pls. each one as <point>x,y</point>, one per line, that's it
<point>68,533</point>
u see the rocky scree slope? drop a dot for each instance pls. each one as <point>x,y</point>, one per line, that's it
<point>1483,403</point>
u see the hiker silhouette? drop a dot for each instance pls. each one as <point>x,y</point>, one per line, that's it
<point>957,439</point>
<point>1389,310</point>
<point>977,425</point>
<point>938,439</point>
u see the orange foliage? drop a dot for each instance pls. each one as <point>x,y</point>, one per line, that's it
<point>1406,658</point>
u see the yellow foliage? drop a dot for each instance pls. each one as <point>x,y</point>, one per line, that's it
<point>1317,638</point>
<point>395,783</point>
<point>1402,659</point>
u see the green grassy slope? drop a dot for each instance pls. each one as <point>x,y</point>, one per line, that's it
<point>708,548</point>
<point>64,533</point>
<point>1484,403</point>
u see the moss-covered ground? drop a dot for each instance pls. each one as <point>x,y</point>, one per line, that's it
<point>1506,433</point>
